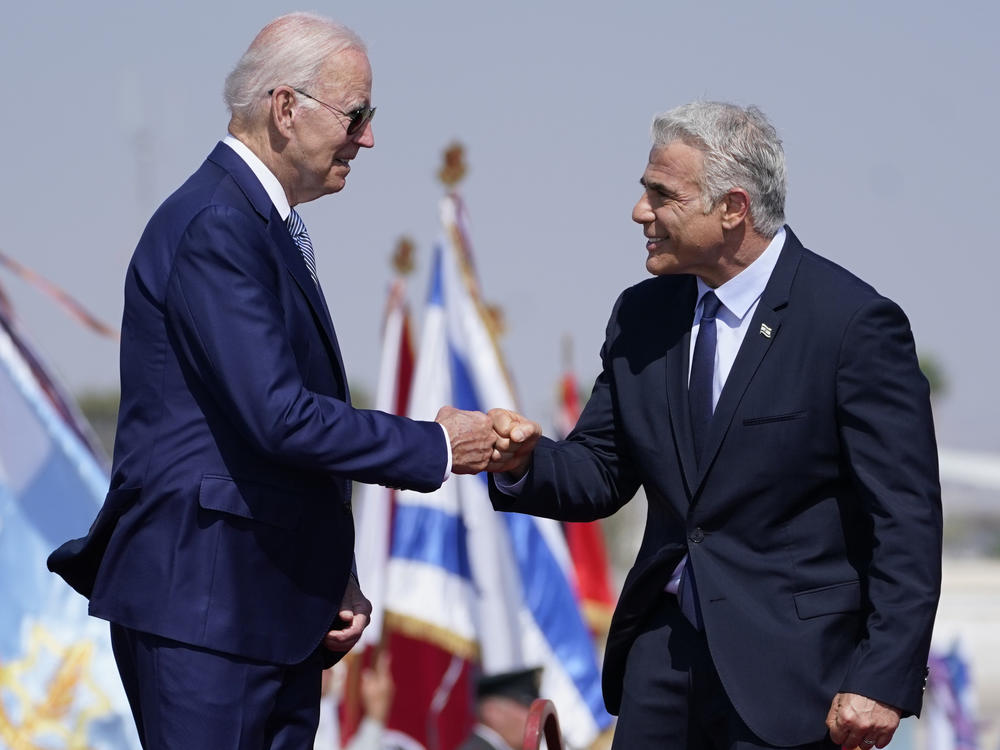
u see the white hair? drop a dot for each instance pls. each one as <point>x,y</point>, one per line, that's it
<point>741,149</point>
<point>291,51</point>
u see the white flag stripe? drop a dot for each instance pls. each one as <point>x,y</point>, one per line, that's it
<point>434,596</point>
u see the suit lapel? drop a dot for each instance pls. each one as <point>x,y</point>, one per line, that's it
<point>677,365</point>
<point>296,265</point>
<point>255,193</point>
<point>760,337</point>
<point>335,345</point>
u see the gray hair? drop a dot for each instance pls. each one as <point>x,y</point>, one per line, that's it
<point>291,50</point>
<point>741,149</point>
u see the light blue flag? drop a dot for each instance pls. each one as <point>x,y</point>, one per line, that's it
<point>59,686</point>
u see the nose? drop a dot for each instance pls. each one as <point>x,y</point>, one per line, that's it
<point>642,213</point>
<point>366,136</point>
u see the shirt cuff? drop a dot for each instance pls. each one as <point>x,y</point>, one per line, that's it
<point>447,445</point>
<point>507,487</point>
<point>675,578</point>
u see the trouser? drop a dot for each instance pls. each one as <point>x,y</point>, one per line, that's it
<point>672,696</point>
<point>187,697</point>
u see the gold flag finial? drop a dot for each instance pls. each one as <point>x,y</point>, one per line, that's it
<point>496,322</point>
<point>453,168</point>
<point>402,258</point>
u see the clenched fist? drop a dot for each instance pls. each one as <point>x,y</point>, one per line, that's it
<point>472,438</point>
<point>516,438</point>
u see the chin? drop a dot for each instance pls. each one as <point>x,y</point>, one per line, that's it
<point>658,267</point>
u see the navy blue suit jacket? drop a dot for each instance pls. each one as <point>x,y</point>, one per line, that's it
<point>814,525</point>
<point>228,522</point>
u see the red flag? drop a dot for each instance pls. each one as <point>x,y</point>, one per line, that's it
<point>434,699</point>
<point>585,540</point>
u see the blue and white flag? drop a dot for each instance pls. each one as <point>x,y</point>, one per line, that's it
<point>492,585</point>
<point>950,704</point>
<point>59,687</point>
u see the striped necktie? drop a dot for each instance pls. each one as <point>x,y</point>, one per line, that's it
<point>297,228</point>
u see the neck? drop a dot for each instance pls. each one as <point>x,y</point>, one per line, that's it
<point>742,247</point>
<point>265,148</point>
<point>751,248</point>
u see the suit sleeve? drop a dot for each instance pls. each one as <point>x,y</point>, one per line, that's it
<point>887,435</point>
<point>590,474</point>
<point>229,325</point>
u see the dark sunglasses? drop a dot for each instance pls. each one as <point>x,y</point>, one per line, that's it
<point>358,118</point>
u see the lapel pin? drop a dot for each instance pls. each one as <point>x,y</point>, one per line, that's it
<point>765,330</point>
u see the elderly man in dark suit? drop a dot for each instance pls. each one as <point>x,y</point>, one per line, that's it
<point>223,553</point>
<point>770,404</point>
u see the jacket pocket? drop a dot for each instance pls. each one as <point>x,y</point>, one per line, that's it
<point>829,600</point>
<point>774,418</point>
<point>258,502</point>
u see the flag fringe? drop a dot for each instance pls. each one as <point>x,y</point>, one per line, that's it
<point>434,634</point>
<point>597,615</point>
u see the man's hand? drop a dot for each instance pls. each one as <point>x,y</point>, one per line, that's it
<point>355,612</point>
<point>472,438</point>
<point>516,439</point>
<point>856,721</point>
<point>377,688</point>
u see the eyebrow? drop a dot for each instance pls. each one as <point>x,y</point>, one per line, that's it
<point>658,186</point>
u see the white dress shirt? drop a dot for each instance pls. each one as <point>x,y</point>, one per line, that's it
<point>267,179</point>
<point>739,297</point>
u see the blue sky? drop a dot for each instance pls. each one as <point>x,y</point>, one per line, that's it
<point>888,112</point>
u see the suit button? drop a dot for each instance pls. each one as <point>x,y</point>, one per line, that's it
<point>697,536</point>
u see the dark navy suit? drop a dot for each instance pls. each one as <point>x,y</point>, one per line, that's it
<point>813,526</point>
<point>228,523</point>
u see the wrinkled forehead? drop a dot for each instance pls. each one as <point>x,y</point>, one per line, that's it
<point>347,75</point>
<point>676,160</point>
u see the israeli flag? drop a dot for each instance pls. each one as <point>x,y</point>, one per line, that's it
<point>486,585</point>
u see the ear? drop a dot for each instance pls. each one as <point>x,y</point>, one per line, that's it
<point>735,208</point>
<point>283,109</point>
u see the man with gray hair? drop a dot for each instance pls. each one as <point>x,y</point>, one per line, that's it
<point>771,406</point>
<point>223,553</point>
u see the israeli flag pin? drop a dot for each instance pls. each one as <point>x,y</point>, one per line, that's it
<point>765,330</point>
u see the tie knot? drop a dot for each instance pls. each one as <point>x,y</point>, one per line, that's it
<point>710,305</point>
<point>296,227</point>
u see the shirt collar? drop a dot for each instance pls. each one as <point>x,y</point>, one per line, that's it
<point>739,293</point>
<point>491,736</point>
<point>267,179</point>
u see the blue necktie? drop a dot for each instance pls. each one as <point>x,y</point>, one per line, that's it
<point>700,400</point>
<point>297,228</point>
<point>703,374</point>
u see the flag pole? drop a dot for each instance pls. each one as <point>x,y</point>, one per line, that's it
<point>61,297</point>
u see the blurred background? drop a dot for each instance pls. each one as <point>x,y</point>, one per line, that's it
<point>887,111</point>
